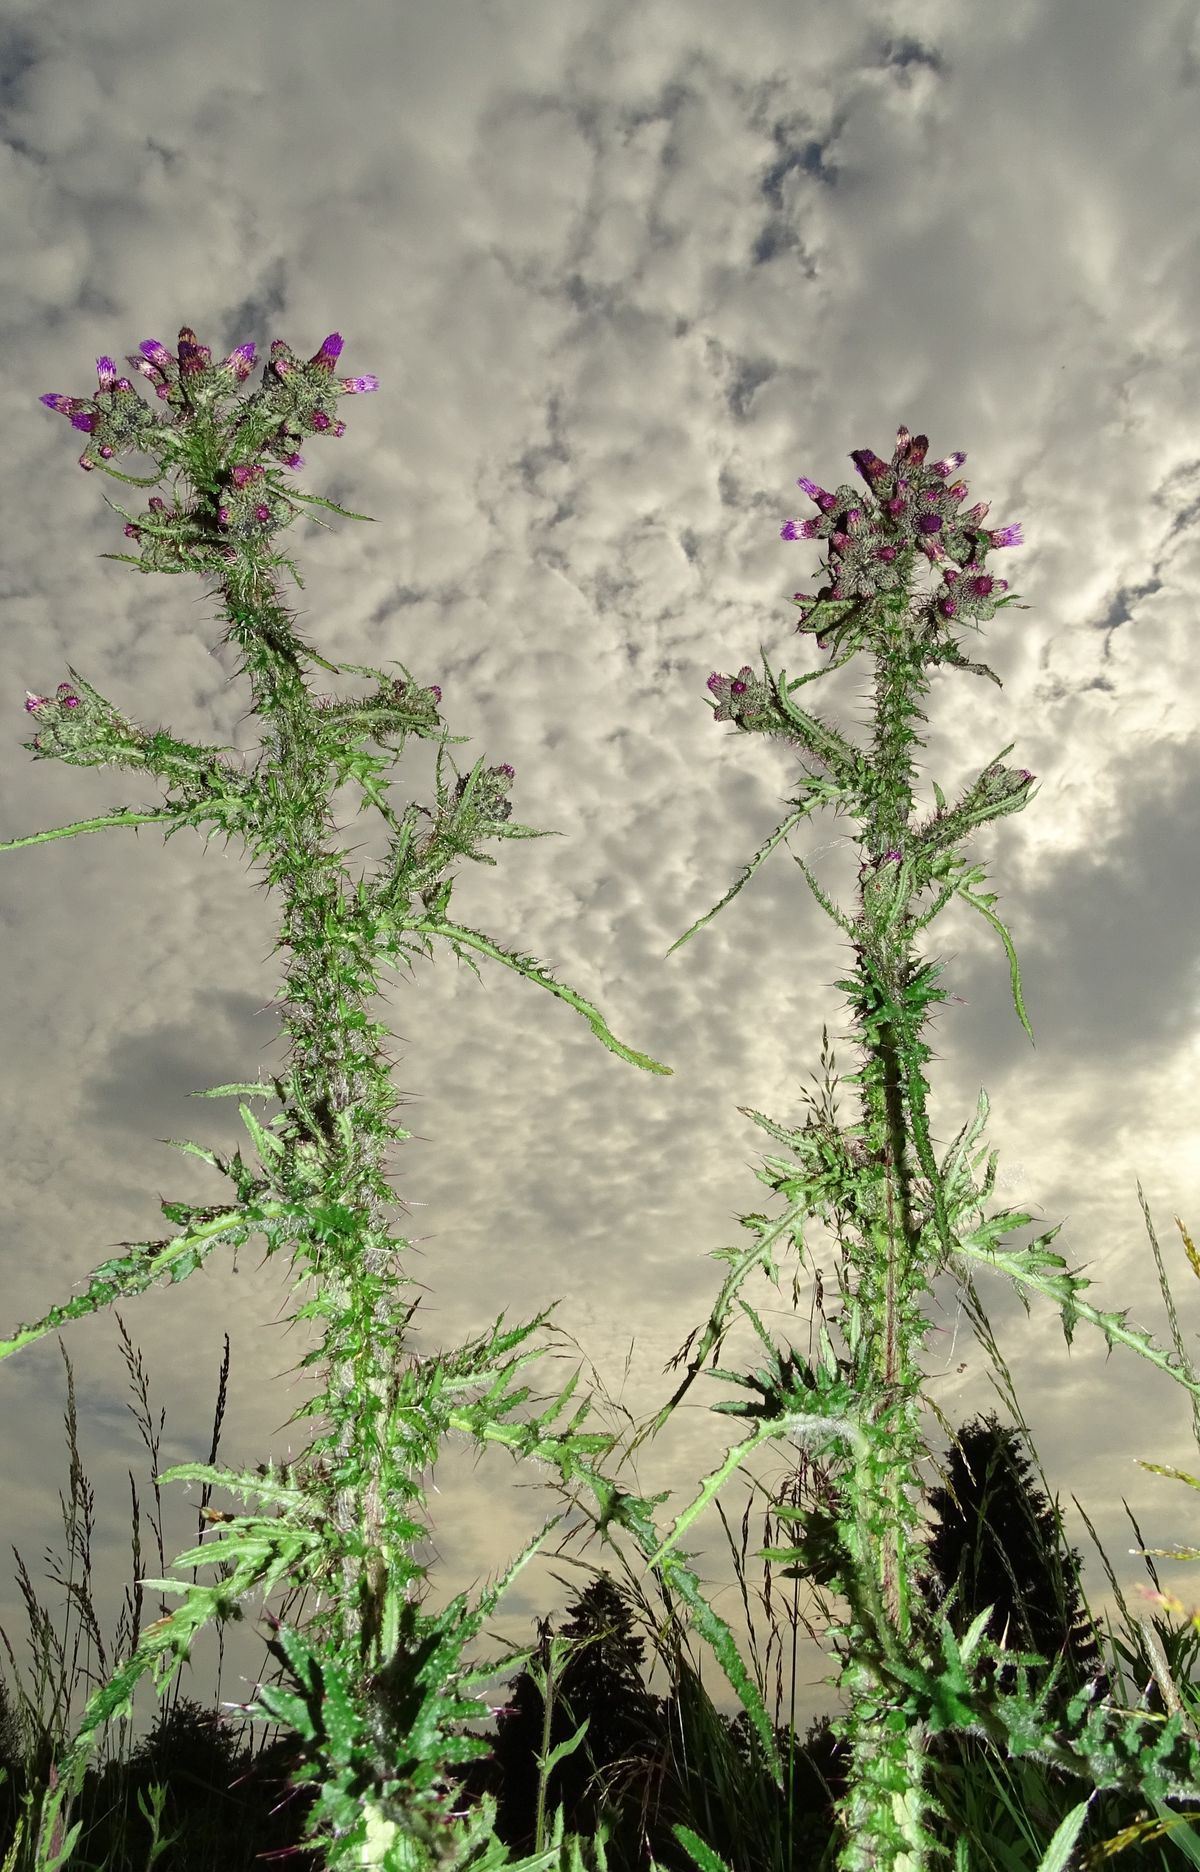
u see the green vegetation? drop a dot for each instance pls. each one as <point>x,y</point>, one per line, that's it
<point>974,1725</point>
<point>195,1796</point>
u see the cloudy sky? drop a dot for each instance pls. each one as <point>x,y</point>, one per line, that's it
<point>623,275</point>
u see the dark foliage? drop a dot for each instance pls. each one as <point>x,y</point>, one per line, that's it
<point>600,1683</point>
<point>1000,1543</point>
<point>633,1768</point>
<point>645,1763</point>
<point>224,1807</point>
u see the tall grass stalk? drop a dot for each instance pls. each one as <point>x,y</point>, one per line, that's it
<point>379,1688</point>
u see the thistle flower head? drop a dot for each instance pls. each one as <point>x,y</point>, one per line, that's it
<point>302,395</point>
<point>744,699</point>
<point>910,509</point>
<point>76,722</point>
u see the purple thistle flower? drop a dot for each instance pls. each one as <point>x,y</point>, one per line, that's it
<point>119,422</point>
<point>914,510</point>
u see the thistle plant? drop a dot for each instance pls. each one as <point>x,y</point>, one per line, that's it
<point>379,1685</point>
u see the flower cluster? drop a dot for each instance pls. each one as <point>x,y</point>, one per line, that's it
<point>297,399</point>
<point>237,494</point>
<point>873,542</point>
<point>76,728</point>
<point>238,504</point>
<point>743,698</point>
<point>912,510</point>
